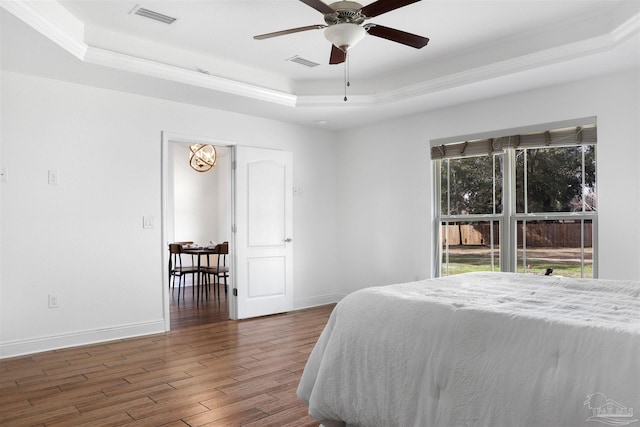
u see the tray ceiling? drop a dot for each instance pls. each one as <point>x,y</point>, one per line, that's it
<point>477,49</point>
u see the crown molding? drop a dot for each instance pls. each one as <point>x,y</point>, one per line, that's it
<point>555,55</point>
<point>336,100</point>
<point>32,16</point>
<point>627,29</point>
<point>146,67</point>
<point>498,69</point>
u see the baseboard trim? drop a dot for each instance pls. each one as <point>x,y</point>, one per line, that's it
<point>73,339</point>
<point>79,338</point>
<point>340,296</point>
<point>303,303</point>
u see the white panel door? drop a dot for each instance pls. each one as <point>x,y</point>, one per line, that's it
<point>264,248</point>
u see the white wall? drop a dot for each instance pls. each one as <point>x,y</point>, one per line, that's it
<point>83,238</point>
<point>384,171</point>
<point>373,228</point>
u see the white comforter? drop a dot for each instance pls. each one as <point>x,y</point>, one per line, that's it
<point>480,349</point>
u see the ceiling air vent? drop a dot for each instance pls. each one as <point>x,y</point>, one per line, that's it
<point>141,11</point>
<point>303,61</point>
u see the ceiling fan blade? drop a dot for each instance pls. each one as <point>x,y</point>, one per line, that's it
<point>398,36</point>
<point>289,31</point>
<point>338,56</point>
<point>383,6</point>
<point>318,5</point>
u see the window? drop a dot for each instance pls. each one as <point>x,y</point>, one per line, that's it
<point>471,213</point>
<point>520,201</point>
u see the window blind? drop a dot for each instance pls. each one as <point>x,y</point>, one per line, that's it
<point>561,137</point>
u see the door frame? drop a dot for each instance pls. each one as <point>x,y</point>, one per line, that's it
<point>168,138</point>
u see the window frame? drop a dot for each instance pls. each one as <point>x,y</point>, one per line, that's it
<point>509,217</point>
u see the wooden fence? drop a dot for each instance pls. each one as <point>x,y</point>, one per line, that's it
<point>539,235</point>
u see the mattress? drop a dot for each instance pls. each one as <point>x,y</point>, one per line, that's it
<point>479,349</point>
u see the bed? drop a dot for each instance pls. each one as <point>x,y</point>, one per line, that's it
<point>479,349</point>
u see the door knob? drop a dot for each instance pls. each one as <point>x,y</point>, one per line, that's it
<point>288,240</point>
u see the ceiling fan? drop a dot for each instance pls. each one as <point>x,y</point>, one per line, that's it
<point>343,25</point>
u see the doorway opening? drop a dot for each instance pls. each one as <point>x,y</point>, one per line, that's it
<point>197,210</point>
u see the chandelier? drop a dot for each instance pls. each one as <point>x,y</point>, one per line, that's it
<point>202,157</point>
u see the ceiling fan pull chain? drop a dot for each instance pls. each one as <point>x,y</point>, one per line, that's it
<point>348,71</point>
<point>347,83</point>
<point>346,79</point>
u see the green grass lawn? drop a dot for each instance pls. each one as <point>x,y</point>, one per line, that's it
<point>563,261</point>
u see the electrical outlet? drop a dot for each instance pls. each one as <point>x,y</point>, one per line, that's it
<point>53,301</point>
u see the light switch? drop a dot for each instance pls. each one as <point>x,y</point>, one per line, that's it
<point>53,177</point>
<point>4,175</point>
<point>148,222</point>
<point>53,301</point>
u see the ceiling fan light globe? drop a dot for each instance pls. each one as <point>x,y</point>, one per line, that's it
<point>344,36</point>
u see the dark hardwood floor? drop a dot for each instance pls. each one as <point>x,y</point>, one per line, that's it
<point>193,311</point>
<point>227,373</point>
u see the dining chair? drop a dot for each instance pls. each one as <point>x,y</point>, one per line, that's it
<point>172,261</point>
<point>221,270</point>
<point>176,269</point>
